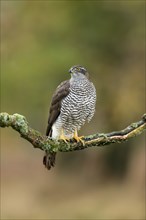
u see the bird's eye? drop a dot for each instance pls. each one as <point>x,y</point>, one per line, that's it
<point>83,70</point>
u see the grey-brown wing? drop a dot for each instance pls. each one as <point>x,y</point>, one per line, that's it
<point>61,92</point>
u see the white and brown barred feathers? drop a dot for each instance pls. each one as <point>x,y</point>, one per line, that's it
<point>73,103</point>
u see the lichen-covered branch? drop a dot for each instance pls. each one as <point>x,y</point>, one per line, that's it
<point>19,123</point>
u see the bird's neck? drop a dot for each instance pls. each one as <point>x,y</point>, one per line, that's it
<point>79,79</point>
<point>80,85</point>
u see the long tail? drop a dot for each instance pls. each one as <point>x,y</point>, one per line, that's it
<point>49,160</point>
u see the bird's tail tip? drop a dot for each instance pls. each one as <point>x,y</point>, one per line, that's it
<point>49,160</point>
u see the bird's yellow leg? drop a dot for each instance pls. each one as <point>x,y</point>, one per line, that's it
<point>77,138</point>
<point>62,136</point>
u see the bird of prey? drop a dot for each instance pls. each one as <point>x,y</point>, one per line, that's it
<point>73,103</point>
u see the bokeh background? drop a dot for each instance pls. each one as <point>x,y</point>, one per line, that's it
<point>40,41</point>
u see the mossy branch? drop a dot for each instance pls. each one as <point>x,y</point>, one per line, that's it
<point>19,123</point>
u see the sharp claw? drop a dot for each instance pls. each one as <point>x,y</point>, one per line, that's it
<point>62,137</point>
<point>78,139</point>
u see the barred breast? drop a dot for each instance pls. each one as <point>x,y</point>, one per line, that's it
<point>76,108</point>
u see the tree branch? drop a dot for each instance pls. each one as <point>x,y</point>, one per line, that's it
<point>19,123</point>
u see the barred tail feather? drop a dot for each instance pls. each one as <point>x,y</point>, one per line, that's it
<point>49,160</point>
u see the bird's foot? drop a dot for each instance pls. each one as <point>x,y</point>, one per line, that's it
<point>79,139</point>
<point>62,137</point>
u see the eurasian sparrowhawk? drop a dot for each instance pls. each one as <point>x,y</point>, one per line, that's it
<point>73,103</point>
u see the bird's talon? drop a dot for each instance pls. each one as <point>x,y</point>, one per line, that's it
<point>62,137</point>
<point>78,139</point>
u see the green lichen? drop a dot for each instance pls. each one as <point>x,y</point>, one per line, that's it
<point>4,119</point>
<point>134,125</point>
<point>20,123</point>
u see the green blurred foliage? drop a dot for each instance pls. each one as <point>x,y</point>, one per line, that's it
<point>41,40</point>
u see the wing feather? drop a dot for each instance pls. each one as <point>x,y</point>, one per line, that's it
<point>61,92</point>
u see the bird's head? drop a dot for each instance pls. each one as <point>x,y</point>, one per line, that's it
<point>78,71</point>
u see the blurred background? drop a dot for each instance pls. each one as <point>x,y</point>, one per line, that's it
<point>40,41</point>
